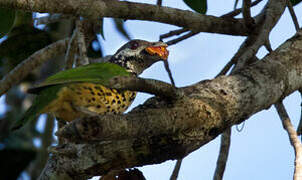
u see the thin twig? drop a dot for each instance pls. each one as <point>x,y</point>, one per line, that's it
<point>173,33</point>
<point>227,67</point>
<point>186,36</point>
<point>83,59</point>
<point>159,2</point>
<point>32,62</point>
<point>71,50</point>
<point>299,129</point>
<point>293,138</point>
<point>177,166</point>
<point>293,14</point>
<point>238,11</point>
<point>77,50</point>
<point>223,154</point>
<point>267,45</point>
<point>265,22</point>
<point>166,63</point>
<point>52,18</point>
<point>246,13</point>
<point>235,4</point>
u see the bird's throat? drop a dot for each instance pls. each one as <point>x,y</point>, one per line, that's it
<point>129,64</point>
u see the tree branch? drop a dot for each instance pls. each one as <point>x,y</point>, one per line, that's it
<point>233,99</point>
<point>244,56</point>
<point>176,170</point>
<point>238,11</point>
<point>35,60</point>
<point>299,128</point>
<point>173,33</point>
<point>265,22</point>
<point>52,18</point>
<point>71,50</point>
<point>158,131</point>
<point>223,154</point>
<point>293,138</point>
<point>82,49</point>
<point>156,87</point>
<point>96,9</point>
<point>246,13</point>
<point>293,14</point>
<point>159,2</point>
<point>186,36</point>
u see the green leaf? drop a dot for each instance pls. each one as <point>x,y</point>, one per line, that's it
<point>295,2</point>
<point>119,24</point>
<point>98,73</point>
<point>197,5</point>
<point>7,17</point>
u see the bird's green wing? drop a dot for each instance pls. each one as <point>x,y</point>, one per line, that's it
<point>98,73</point>
<point>40,102</point>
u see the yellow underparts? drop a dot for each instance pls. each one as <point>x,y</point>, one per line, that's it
<point>79,99</point>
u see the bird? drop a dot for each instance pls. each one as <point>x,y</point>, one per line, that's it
<point>82,91</point>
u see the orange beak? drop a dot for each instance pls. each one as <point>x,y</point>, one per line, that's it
<point>161,51</point>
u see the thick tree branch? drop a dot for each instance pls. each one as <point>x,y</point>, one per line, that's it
<point>158,88</point>
<point>293,138</point>
<point>162,131</point>
<point>255,82</point>
<point>35,60</point>
<point>96,9</point>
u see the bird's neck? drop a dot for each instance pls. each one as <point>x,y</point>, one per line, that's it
<point>125,63</point>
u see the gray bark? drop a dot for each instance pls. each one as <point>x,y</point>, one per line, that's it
<point>163,130</point>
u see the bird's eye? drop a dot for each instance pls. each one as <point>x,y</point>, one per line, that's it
<point>134,45</point>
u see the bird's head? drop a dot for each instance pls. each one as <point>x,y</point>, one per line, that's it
<point>138,55</point>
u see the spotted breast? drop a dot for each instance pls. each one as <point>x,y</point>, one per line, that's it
<point>79,99</point>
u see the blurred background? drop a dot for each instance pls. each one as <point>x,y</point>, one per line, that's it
<point>260,151</point>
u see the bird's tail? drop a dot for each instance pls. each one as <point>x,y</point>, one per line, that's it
<point>44,97</point>
<point>28,116</point>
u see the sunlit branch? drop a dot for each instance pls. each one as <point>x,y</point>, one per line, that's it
<point>293,138</point>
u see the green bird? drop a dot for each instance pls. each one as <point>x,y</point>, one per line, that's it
<point>76,92</point>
